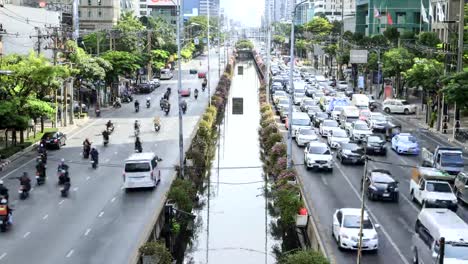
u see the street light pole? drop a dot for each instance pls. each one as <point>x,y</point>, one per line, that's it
<point>291,85</point>
<point>209,47</point>
<point>179,87</point>
<point>268,48</point>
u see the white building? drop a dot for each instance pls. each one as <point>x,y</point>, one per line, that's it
<point>212,5</point>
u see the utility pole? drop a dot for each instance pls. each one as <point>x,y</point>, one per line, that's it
<point>148,66</point>
<point>98,50</point>
<point>360,234</point>
<point>180,23</point>
<point>208,57</point>
<point>268,48</point>
<point>39,37</point>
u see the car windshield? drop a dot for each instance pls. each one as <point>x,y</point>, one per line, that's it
<point>137,167</point>
<point>452,159</point>
<point>458,251</point>
<point>408,139</point>
<point>299,91</point>
<point>405,103</point>
<point>340,134</point>
<point>351,119</point>
<point>308,102</point>
<point>374,139</point>
<point>307,132</point>
<point>280,93</point>
<point>438,187</point>
<point>379,118</point>
<point>283,101</point>
<point>301,122</point>
<point>350,146</point>
<point>322,115</point>
<point>361,127</point>
<point>354,221</point>
<point>338,108</point>
<point>330,123</point>
<point>322,150</point>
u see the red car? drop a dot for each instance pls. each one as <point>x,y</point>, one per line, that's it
<point>201,75</point>
<point>185,92</point>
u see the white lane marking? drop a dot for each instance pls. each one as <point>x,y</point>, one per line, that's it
<point>26,235</point>
<point>324,180</point>
<point>45,217</point>
<point>373,216</point>
<point>75,189</point>
<point>87,231</point>
<point>87,178</point>
<point>101,213</point>
<point>112,200</point>
<point>70,253</point>
<point>3,255</point>
<point>61,202</point>
<point>405,225</point>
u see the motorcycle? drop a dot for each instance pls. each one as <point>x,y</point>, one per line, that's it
<point>127,98</point>
<point>157,127</point>
<point>23,192</point>
<point>139,149</point>
<point>64,190</point>
<point>148,104</point>
<point>42,157</point>
<point>61,177</point>
<point>117,105</point>
<point>40,179</point>
<point>110,129</point>
<point>184,108</point>
<point>137,132</point>
<point>166,110</point>
<point>137,108</point>
<point>98,112</point>
<point>4,215</point>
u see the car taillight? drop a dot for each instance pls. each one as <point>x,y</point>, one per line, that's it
<point>123,175</point>
<point>152,175</point>
<point>55,140</point>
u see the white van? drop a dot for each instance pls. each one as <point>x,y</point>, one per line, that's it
<point>348,115</point>
<point>299,120</point>
<point>140,171</point>
<point>433,224</point>
<point>361,101</point>
<point>166,74</point>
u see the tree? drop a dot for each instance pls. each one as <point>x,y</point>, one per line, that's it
<point>278,39</point>
<point>429,39</point>
<point>425,73</point>
<point>123,64</point>
<point>244,44</point>
<point>159,58</point>
<point>158,252</point>
<point>304,257</point>
<point>395,62</point>
<point>392,34</point>
<point>302,46</point>
<point>319,26</point>
<point>456,89</point>
<point>163,33</point>
<point>129,32</point>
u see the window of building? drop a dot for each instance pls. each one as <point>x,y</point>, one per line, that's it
<point>89,2</point>
<point>99,13</point>
<point>401,18</point>
<point>99,2</point>
<point>89,13</point>
<point>79,13</point>
<point>142,13</point>
<point>143,6</point>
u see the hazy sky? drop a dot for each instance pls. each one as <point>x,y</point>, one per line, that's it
<point>248,12</point>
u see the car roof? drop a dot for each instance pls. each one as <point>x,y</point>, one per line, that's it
<point>353,211</point>
<point>357,122</point>
<point>145,156</point>
<point>318,144</point>
<point>381,176</point>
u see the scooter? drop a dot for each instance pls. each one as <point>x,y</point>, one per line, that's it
<point>157,127</point>
<point>166,110</point>
<point>4,215</point>
<point>110,129</point>
<point>98,112</point>
<point>23,192</point>
<point>61,177</point>
<point>105,141</point>
<point>64,190</point>
<point>148,104</point>
<point>137,109</point>
<point>40,179</point>
<point>42,157</point>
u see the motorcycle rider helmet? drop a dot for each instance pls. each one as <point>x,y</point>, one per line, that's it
<point>1,182</point>
<point>3,201</point>
<point>62,160</point>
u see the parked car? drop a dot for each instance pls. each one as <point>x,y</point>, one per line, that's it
<point>379,184</point>
<point>54,139</point>
<point>318,155</point>
<point>346,228</point>
<point>304,136</point>
<point>166,74</point>
<point>375,145</point>
<point>405,143</point>
<point>398,106</point>
<point>350,153</point>
<point>326,126</point>
<point>336,137</point>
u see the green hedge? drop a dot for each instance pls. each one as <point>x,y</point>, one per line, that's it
<point>11,150</point>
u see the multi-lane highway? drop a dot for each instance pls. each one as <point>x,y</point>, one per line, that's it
<point>325,192</point>
<point>99,222</point>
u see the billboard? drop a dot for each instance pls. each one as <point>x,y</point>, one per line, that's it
<point>161,2</point>
<point>358,56</point>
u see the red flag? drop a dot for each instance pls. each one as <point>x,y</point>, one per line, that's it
<point>389,19</point>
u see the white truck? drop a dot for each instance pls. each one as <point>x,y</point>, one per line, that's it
<point>430,188</point>
<point>443,158</point>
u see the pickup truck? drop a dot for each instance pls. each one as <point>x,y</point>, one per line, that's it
<point>430,188</point>
<point>443,158</point>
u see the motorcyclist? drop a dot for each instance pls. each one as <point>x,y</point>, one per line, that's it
<point>25,182</point>
<point>118,102</point>
<point>62,166</point>
<point>94,155</point>
<point>138,146</point>
<point>148,101</point>
<point>157,120</point>
<point>183,105</point>
<point>3,190</point>
<point>167,108</point>
<point>137,104</point>
<point>41,169</point>
<point>105,135</point>
<point>195,93</point>
<point>86,148</point>
<point>109,126</point>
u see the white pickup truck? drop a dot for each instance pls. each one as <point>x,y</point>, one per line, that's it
<point>430,188</point>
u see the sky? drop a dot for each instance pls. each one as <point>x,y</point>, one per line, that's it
<point>248,12</point>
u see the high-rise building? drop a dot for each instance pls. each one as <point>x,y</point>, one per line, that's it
<point>212,5</point>
<point>102,14</point>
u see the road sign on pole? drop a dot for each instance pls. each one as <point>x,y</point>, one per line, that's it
<point>358,56</point>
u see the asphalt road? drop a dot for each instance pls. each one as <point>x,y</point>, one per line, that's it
<point>99,222</point>
<point>326,192</point>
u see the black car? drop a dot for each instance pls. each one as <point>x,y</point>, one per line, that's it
<point>318,118</point>
<point>379,184</point>
<point>350,153</point>
<point>54,139</point>
<point>375,145</point>
<point>145,88</point>
<point>193,71</point>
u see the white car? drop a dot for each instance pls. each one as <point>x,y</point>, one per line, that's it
<point>346,226</point>
<point>336,137</point>
<point>279,95</point>
<point>304,136</point>
<point>398,106</point>
<point>342,85</point>
<point>336,112</point>
<point>318,155</point>
<point>298,98</point>
<point>359,130</point>
<point>326,126</point>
